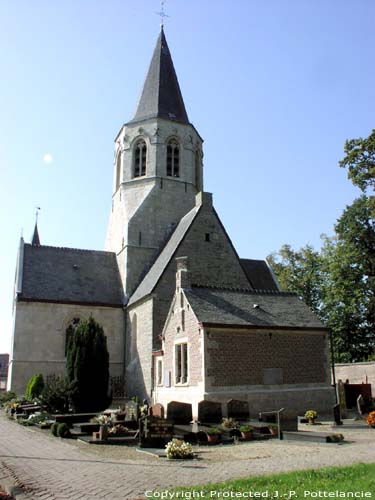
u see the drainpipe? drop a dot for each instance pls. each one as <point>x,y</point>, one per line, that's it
<point>333,365</point>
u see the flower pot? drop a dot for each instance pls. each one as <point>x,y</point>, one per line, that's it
<point>213,438</point>
<point>311,421</point>
<point>274,431</point>
<point>247,436</point>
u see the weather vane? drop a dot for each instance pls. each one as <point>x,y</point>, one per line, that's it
<point>36,214</point>
<point>162,13</point>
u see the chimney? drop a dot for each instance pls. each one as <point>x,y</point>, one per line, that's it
<point>183,277</point>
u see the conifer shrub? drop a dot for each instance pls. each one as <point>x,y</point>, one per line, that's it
<point>87,367</point>
<point>63,430</point>
<point>54,427</point>
<point>35,386</point>
<point>57,395</point>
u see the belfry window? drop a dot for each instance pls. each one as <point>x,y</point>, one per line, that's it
<point>173,158</point>
<point>140,156</point>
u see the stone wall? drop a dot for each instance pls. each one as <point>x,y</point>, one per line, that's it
<point>139,350</point>
<point>39,338</point>
<point>357,373</point>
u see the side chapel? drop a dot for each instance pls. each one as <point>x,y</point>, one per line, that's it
<point>186,318</point>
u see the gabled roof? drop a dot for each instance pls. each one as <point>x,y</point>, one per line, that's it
<point>161,95</point>
<point>223,307</point>
<point>69,275</point>
<point>151,279</point>
<point>259,274</point>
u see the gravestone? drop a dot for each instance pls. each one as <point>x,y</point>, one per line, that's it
<point>210,412</point>
<point>360,406</point>
<point>337,414</point>
<point>132,411</point>
<point>179,413</point>
<point>342,397</point>
<point>154,432</point>
<point>239,410</point>
<point>157,410</point>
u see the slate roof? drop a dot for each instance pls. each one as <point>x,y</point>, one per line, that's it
<point>259,274</point>
<point>223,307</point>
<point>54,274</point>
<point>154,274</point>
<point>161,95</point>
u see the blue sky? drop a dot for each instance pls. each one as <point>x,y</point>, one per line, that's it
<point>274,88</point>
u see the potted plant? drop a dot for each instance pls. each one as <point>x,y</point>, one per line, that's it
<point>213,435</point>
<point>246,432</point>
<point>311,416</point>
<point>371,419</point>
<point>274,429</point>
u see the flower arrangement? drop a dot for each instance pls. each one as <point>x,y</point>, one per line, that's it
<point>229,423</point>
<point>371,419</point>
<point>311,415</point>
<point>177,448</point>
<point>103,420</point>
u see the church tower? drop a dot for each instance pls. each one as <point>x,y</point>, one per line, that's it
<point>157,171</point>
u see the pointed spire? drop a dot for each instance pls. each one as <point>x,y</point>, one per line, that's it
<point>161,95</point>
<point>35,241</point>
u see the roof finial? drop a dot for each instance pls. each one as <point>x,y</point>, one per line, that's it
<point>35,240</point>
<point>36,214</point>
<point>162,14</point>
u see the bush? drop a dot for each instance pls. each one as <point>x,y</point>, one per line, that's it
<point>35,386</point>
<point>54,427</point>
<point>7,396</point>
<point>57,395</point>
<point>246,428</point>
<point>63,430</point>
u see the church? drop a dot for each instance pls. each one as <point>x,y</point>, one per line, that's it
<point>186,319</point>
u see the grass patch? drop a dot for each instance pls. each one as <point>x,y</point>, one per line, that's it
<point>358,479</point>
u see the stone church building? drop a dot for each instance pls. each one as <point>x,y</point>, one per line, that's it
<point>186,318</point>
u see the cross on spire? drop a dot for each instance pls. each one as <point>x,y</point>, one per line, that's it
<point>162,13</point>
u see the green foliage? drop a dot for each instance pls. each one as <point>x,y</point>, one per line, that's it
<point>57,395</point>
<point>87,367</point>
<point>35,386</point>
<point>360,161</point>
<point>54,427</point>
<point>63,430</point>
<point>299,272</point>
<point>7,396</point>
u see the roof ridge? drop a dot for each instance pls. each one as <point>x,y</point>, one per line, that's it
<point>78,250</point>
<point>244,290</point>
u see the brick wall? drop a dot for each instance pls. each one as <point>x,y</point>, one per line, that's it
<point>238,358</point>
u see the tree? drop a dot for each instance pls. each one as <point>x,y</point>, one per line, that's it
<point>35,386</point>
<point>87,367</point>
<point>360,161</point>
<point>300,272</point>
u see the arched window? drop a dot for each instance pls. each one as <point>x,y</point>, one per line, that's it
<point>118,170</point>
<point>173,158</point>
<point>140,155</point>
<point>70,330</point>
